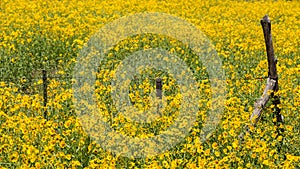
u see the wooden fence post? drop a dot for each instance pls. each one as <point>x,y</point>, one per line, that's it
<point>159,88</point>
<point>272,86</point>
<point>266,24</point>
<point>159,93</point>
<point>45,94</point>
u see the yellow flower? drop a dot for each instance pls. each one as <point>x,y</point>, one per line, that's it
<point>217,153</point>
<point>232,133</point>
<point>165,164</point>
<point>75,163</point>
<point>235,144</point>
<point>62,144</point>
<point>67,124</point>
<point>14,157</point>
<point>37,165</point>
<point>68,157</point>
<point>215,145</point>
<point>207,152</point>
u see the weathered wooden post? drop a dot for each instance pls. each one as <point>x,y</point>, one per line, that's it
<point>266,24</point>
<point>159,88</point>
<point>272,86</point>
<point>272,82</point>
<point>45,94</point>
<point>159,93</point>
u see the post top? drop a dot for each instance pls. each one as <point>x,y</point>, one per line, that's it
<point>266,19</point>
<point>158,80</point>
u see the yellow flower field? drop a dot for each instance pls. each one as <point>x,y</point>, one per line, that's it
<point>50,35</point>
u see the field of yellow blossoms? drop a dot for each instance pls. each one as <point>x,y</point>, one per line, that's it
<point>37,35</point>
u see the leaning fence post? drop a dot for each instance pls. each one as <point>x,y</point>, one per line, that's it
<point>272,86</point>
<point>45,94</point>
<point>266,25</point>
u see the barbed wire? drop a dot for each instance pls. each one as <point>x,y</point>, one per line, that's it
<point>71,77</point>
<point>13,80</point>
<point>29,88</point>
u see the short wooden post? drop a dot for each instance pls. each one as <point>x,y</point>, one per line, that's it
<point>159,93</point>
<point>45,94</point>
<point>159,88</point>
